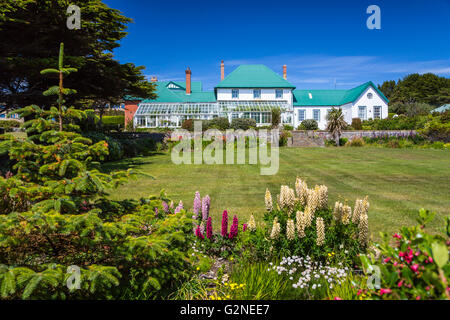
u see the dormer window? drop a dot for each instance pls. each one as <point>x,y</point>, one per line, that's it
<point>172,86</point>
<point>257,94</point>
<point>278,93</point>
<point>235,93</point>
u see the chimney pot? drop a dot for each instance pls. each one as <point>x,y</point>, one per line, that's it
<point>284,72</point>
<point>188,81</point>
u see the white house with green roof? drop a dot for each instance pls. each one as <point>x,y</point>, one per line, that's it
<point>252,91</point>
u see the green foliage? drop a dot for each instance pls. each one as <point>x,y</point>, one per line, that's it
<point>336,123</point>
<point>410,109</point>
<point>355,142</point>
<point>243,123</point>
<point>356,124</point>
<point>217,123</point>
<point>308,124</point>
<point>33,28</point>
<point>8,125</point>
<point>284,137</point>
<point>275,117</point>
<point>422,88</point>
<point>416,266</point>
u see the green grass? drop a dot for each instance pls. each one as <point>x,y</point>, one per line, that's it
<point>398,182</point>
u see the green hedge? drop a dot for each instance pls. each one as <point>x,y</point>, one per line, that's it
<point>8,125</point>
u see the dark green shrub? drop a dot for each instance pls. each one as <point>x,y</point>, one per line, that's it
<point>288,127</point>
<point>284,137</point>
<point>357,124</point>
<point>188,124</point>
<point>220,123</point>
<point>275,117</point>
<point>115,148</point>
<point>8,125</point>
<point>243,123</point>
<point>309,124</point>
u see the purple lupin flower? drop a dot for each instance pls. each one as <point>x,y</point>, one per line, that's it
<point>206,202</point>
<point>179,208</point>
<point>171,205</point>
<point>209,228</point>
<point>165,207</point>
<point>156,212</point>
<point>197,205</point>
<point>224,224</point>
<point>198,233</point>
<point>234,228</point>
<point>244,227</point>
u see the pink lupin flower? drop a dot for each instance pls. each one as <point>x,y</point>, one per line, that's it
<point>234,228</point>
<point>387,260</point>
<point>397,236</point>
<point>209,228</point>
<point>400,283</point>
<point>415,267</point>
<point>337,298</point>
<point>198,233</point>
<point>244,227</point>
<point>224,230</point>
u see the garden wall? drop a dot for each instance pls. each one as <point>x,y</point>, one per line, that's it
<point>317,138</point>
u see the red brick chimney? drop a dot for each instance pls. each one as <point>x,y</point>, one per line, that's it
<point>188,81</point>
<point>284,72</point>
<point>222,71</point>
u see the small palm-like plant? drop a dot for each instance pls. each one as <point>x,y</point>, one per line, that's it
<point>336,123</point>
<point>59,90</point>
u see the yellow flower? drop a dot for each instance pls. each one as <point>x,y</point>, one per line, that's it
<point>198,268</point>
<point>231,258</point>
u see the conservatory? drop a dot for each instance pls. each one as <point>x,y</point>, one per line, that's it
<point>172,115</point>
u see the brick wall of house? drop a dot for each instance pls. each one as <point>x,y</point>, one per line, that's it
<point>130,110</point>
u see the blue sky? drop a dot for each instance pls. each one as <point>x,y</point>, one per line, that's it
<point>319,40</point>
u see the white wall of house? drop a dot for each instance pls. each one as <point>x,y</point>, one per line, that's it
<point>350,110</point>
<point>246,94</point>
<point>370,104</point>
<point>309,111</point>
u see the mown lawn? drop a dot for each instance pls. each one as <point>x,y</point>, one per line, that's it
<point>398,182</point>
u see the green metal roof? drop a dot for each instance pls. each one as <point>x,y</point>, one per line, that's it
<point>254,76</point>
<point>178,93</point>
<point>442,108</point>
<point>332,97</point>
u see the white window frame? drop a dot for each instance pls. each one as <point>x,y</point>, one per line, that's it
<point>380,108</point>
<point>233,92</point>
<point>360,108</point>
<point>303,112</point>
<point>278,93</point>
<point>314,114</point>
<point>256,91</point>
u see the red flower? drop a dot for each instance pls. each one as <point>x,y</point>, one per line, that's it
<point>397,236</point>
<point>337,298</point>
<point>415,267</point>
<point>387,260</point>
<point>383,291</point>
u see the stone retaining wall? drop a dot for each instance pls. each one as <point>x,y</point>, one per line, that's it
<point>311,138</point>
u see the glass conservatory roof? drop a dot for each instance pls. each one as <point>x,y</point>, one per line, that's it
<point>210,108</point>
<point>177,108</point>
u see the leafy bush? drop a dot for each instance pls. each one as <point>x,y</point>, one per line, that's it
<point>308,124</point>
<point>116,123</point>
<point>288,127</point>
<point>301,224</point>
<point>356,124</point>
<point>355,142</point>
<point>8,125</point>
<point>275,117</point>
<point>243,123</point>
<point>416,266</point>
<point>284,137</point>
<point>188,124</point>
<point>217,123</point>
